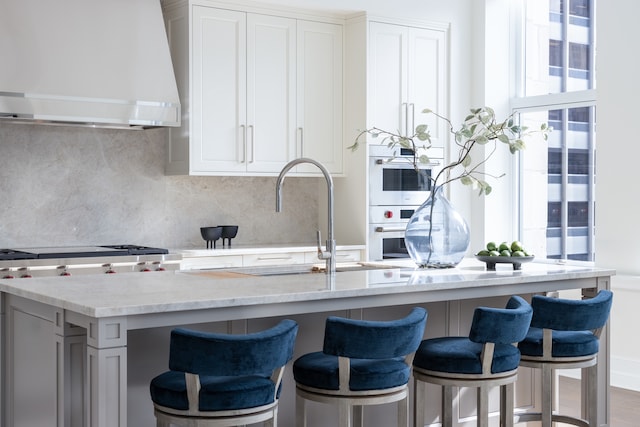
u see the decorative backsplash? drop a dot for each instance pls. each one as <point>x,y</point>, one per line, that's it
<point>83,186</point>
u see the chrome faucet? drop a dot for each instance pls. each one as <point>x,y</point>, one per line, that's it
<point>329,255</point>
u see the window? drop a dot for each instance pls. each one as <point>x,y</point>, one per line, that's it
<point>557,179</point>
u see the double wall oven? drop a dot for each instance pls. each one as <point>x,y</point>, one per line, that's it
<point>396,190</point>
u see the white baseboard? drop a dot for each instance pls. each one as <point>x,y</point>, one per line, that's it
<point>625,373</point>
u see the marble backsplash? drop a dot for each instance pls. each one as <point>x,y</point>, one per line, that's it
<point>83,186</point>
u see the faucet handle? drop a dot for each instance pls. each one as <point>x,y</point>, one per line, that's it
<point>321,254</point>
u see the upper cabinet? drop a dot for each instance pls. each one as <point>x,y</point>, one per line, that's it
<point>319,102</point>
<point>257,91</point>
<point>407,74</point>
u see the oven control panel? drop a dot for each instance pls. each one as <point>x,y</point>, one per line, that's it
<point>390,214</point>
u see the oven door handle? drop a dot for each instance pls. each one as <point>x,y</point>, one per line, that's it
<point>389,229</point>
<point>406,162</point>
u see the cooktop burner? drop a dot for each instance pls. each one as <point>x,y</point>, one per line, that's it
<point>78,252</point>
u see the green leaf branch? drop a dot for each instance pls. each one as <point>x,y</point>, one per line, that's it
<point>479,128</point>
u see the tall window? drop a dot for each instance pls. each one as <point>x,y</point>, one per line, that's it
<point>557,197</point>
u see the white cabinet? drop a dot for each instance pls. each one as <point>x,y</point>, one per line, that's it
<point>319,112</point>
<point>260,91</point>
<point>209,262</point>
<point>395,68</point>
<point>262,256</point>
<point>407,73</point>
<point>341,256</point>
<point>282,258</point>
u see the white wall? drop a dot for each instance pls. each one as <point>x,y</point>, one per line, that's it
<point>618,151</point>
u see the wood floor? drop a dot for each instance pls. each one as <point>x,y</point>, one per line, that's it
<point>625,404</point>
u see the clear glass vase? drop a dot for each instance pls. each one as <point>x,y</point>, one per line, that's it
<point>437,236</point>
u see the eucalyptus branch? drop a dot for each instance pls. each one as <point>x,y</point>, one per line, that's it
<point>479,128</point>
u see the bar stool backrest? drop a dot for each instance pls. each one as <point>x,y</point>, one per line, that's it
<point>370,339</point>
<point>571,315</point>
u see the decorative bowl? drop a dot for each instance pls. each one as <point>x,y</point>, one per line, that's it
<point>491,261</point>
<point>210,235</point>
<point>228,233</point>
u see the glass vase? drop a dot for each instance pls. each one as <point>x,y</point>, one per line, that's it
<point>437,236</point>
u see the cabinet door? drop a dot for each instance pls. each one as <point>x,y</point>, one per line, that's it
<point>319,103</point>
<point>271,92</point>
<point>388,62</point>
<point>218,92</point>
<point>408,74</point>
<point>427,80</point>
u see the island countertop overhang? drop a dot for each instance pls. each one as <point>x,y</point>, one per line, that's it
<point>133,294</point>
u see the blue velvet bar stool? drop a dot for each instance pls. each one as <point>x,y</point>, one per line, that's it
<point>363,362</point>
<point>565,334</point>
<point>487,358</point>
<point>223,379</point>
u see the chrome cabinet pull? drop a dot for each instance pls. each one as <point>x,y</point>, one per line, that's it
<point>405,107</point>
<point>244,144</point>
<point>413,119</point>
<point>301,132</point>
<point>253,144</point>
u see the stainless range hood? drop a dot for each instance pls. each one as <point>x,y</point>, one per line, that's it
<point>95,62</point>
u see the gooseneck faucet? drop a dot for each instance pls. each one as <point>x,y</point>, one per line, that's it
<point>329,255</point>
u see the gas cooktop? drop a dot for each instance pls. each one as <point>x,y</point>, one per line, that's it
<point>78,252</point>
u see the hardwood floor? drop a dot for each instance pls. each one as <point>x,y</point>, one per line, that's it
<point>625,404</point>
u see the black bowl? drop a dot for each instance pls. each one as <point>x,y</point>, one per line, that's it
<point>211,234</point>
<point>229,231</point>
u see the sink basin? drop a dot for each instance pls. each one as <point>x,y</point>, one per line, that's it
<point>279,270</point>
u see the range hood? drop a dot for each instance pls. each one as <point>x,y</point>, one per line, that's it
<point>95,62</point>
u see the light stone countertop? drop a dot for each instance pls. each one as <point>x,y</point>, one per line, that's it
<point>130,294</point>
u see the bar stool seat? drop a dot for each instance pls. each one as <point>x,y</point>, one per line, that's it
<point>218,380</point>
<point>485,359</point>
<point>363,362</point>
<point>565,334</point>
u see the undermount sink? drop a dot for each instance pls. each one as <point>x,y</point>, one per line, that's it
<point>278,270</point>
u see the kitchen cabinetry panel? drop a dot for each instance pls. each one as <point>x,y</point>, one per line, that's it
<point>341,256</point>
<point>319,112</point>
<point>407,68</point>
<point>257,256</point>
<point>243,91</point>
<point>271,91</point>
<point>262,90</point>
<point>218,108</point>
<point>283,258</point>
<point>388,83</point>
<point>207,262</point>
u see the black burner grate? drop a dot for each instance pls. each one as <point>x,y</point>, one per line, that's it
<point>12,254</point>
<point>139,250</point>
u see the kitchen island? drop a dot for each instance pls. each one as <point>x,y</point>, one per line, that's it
<point>82,349</point>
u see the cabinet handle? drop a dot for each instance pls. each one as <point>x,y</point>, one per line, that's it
<point>301,132</point>
<point>253,144</point>
<point>244,143</point>
<point>273,258</point>
<point>413,119</point>
<point>405,109</point>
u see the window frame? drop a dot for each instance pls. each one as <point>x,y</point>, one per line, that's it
<point>521,104</point>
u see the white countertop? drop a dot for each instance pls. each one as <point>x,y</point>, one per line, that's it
<point>131,294</point>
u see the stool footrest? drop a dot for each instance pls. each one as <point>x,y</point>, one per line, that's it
<point>556,418</point>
